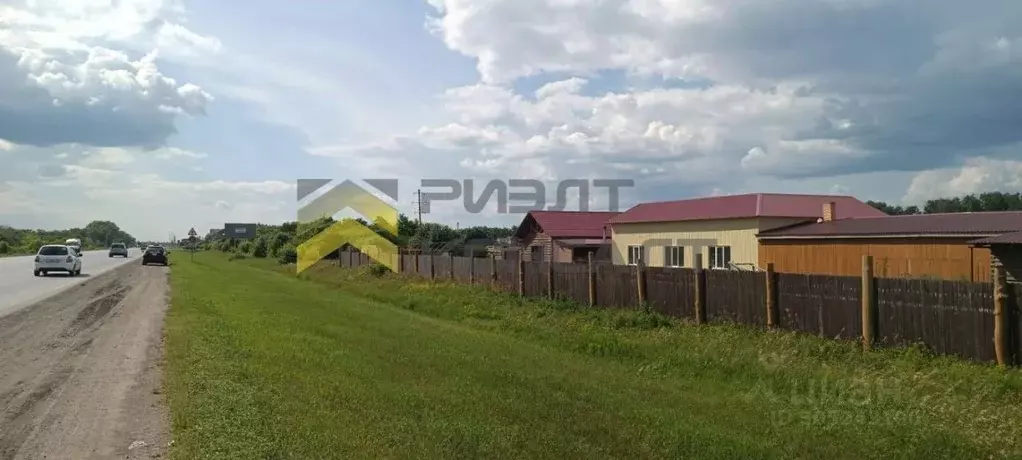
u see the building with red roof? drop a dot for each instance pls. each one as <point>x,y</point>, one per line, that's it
<point>721,230</point>
<point>563,236</point>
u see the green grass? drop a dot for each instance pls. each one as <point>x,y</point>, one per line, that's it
<point>341,364</point>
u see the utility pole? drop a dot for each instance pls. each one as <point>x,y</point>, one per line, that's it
<point>418,205</point>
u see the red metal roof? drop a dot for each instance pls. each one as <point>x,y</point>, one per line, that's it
<point>1007,238</point>
<point>568,224</point>
<point>747,206</point>
<point>978,224</point>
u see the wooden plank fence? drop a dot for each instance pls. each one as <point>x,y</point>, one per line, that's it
<point>976,321</point>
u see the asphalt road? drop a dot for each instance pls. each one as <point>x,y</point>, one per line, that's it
<point>19,288</point>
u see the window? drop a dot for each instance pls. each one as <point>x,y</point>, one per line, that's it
<point>674,256</point>
<point>636,254</point>
<point>537,253</point>
<point>53,251</point>
<point>720,256</point>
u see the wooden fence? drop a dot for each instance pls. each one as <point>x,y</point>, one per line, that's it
<point>976,321</point>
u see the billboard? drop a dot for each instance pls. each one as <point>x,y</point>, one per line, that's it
<point>240,231</point>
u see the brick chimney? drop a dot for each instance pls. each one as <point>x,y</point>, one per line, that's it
<point>828,211</point>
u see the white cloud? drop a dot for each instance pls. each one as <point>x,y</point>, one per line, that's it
<point>175,154</point>
<point>977,175</point>
<point>107,157</point>
<point>687,135</point>
<point>86,72</point>
<point>751,93</point>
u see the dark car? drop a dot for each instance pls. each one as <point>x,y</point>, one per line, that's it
<point>118,249</point>
<point>154,255</point>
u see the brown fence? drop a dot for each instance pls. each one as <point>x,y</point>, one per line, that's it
<point>960,318</point>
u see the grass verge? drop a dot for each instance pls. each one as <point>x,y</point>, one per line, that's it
<point>342,364</point>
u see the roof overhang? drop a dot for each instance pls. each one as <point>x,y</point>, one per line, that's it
<point>576,242</point>
<point>997,244</point>
<point>708,219</point>
<point>891,236</point>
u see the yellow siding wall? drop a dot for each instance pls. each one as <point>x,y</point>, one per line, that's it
<point>740,234</point>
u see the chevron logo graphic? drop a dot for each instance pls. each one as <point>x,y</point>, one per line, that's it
<point>343,196</point>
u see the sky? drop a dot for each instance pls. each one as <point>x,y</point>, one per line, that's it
<point>163,115</point>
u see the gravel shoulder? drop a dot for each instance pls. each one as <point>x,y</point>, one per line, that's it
<point>81,371</point>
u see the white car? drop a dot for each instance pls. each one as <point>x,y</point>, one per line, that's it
<point>74,243</point>
<point>57,258</point>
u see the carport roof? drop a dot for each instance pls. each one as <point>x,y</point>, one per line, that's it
<point>1006,238</point>
<point>961,224</point>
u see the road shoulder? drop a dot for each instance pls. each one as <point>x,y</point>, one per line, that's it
<point>86,371</point>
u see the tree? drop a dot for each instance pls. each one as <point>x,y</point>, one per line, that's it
<point>991,201</point>
<point>983,202</point>
<point>406,227</point>
<point>277,241</point>
<point>259,249</point>
<point>894,210</point>
<point>430,233</point>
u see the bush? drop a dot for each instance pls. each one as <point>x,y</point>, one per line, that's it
<point>260,248</point>
<point>236,256</point>
<point>278,242</point>
<point>245,247</point>
<point>288,255</point>
<point>4,247</point>
<point>377,269</point>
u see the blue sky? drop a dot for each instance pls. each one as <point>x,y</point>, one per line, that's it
<point>207,112</point>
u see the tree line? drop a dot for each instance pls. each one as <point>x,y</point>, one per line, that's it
<point>281,241</point>
<point>992,201</point>
<point>97,234</point>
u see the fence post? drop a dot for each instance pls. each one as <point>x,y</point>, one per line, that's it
<point>472,269</point>
<point>400,261</point>
<point>592,282</point>
<point>432,267</point>
<point>640,282</point>
<point>700,290</point>
<point>869,303</point>
<point>1001,335</point>
<point>418,264</point>
<point>521,276</point>
<point>450,260</point>
<point>493,269</point>
<point>550,280</point>
<point>771,296</point>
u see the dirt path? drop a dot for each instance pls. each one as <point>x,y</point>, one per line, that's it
<point>79,373</point>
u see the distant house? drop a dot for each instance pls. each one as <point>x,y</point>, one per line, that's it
<point>721,229</point>
<point>939,246</point>
<point>1005,252</point>
<point>563,236</point>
